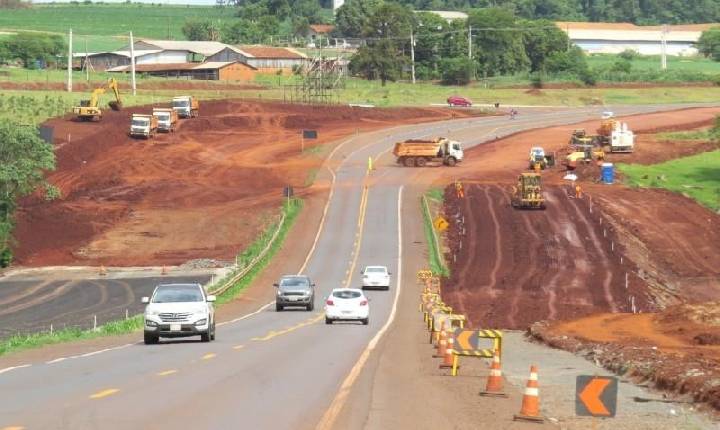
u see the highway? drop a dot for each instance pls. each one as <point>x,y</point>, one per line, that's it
<point>267,370</point>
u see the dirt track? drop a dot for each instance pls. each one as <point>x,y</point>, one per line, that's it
<point>202,192</point>
<point>516,267</point>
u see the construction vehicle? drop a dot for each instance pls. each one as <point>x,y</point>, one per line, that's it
<point>583,154</point>
<point>89,110</point>
<point>419,152</point>
<point>166,118</point>
<point>143,126</point>
<point>540,159</point>
<point>612,135</point>
<point>527,194</point>
<point>186,106</point>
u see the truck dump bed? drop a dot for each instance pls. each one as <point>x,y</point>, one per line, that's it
<point>417,148</point>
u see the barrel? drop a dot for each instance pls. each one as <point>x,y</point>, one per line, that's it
<point>607,173</point>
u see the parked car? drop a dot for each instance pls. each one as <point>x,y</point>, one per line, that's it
<point>347,304</point>
<point>459,101</point>
<point>179,310</point>
<point>295,290</point>
<point>375,277</point>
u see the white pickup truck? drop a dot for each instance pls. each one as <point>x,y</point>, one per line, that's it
<point>179,310</point>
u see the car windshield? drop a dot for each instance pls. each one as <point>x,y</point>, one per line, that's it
<point>295,281</point>
<point>180,103</point>
<point>346,294</point>
<point>375,270</point>
<point>178,294</point>
<point>139,122</point>
<point>163,116</point>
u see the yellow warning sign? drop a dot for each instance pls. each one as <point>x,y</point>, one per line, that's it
<point>441,224</point>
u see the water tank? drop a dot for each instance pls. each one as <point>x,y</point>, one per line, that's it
<point>607,173</point>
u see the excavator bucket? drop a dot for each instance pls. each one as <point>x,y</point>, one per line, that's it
<point>115,105</point>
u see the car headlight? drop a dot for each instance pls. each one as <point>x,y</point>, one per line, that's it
<point>151,323</point>
<point>201,322</point>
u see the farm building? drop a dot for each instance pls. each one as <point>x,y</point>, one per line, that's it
<point>320,30</point>
<point>611,38</point>
<point>270,59</point>
<point>209,71</point>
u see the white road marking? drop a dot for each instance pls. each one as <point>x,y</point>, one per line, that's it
<point>88,354</point>
<point>7,369</point>
<point>328,419</point>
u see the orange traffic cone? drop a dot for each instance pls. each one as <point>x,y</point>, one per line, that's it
<point>447,362</point>
<point>530,410</point>
<point>441,345</point>
<point>494,385</point>
<point>102,271</point>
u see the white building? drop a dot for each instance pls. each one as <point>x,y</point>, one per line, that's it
<point>613,38</point>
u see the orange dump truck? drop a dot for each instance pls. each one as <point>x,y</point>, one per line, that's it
<point>419,152</point>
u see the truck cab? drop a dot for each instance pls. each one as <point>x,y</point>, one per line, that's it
<point>453,149</point>
<point>185,106</point>
<point>143,126</point>
<point>166,119</point>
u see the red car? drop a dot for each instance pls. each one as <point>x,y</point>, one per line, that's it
<point>459,101</point>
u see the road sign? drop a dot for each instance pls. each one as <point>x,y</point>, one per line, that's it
<point>441,224</point>
<point>596,396</point>
<point>309,134</point>
<point>288,191</point>
<point>467,343</point>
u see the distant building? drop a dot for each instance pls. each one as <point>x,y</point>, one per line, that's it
<point>270,58</point>
<point>209,71</point>
<point>612,38</point>
<point>337,4</point>
<point>447,15</point>
<point>320,30</point>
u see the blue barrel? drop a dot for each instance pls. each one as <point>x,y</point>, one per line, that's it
<point>607,173</point>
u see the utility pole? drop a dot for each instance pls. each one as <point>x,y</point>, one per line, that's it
<point>470,42</point>
<point>663,47</point>
<point>412,54</point>
<point>132,64</point>
<point>87,68</point>
<point>69,65</point>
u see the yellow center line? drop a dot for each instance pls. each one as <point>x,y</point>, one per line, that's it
<point>236,347</point>
<point>209,355</point>
<point>104,393</point>
<point>358,242</point>
<point>167,372</point>
<point>13,428</point>
<point>273,334</point>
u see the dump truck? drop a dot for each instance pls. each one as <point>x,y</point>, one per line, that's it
<point>186,106</point>
<point>538,157</point>
<point>166,119</point>
<point>89,109</point>
<point>143,126</point>
<point>527,194</point>
<point>419,152</point>
<point>613,136</point>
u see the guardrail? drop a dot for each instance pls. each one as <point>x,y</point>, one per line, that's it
<point>245,270</point>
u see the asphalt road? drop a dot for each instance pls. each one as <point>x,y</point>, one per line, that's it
<point>266,370</point>
<point>30,305</point>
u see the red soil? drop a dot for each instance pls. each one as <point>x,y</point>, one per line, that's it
<point>201,192</point>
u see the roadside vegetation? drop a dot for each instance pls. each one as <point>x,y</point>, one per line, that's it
<point>433,199</point>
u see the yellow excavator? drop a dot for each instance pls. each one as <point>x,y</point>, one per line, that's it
<point>527,194</point>
<point>89,110</point>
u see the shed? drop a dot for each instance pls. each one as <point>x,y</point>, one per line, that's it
<point>208,71</point>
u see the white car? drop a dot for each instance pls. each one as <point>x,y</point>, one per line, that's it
<point>347,304</point>
<point>179,310</point>
<point>375,277</point>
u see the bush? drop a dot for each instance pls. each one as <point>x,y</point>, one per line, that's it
<point>621,65</point>
<point>629,54</point>
<point>457,71</point>
<point>5,257</point>
<point>536,81</point>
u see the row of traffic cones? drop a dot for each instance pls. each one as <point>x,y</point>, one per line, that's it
<point>530,408</point>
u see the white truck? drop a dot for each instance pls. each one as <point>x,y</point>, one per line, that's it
<point>186,106</point>
<point>143,126</point>
<point>419,152</point>
<point>622,139</point>
<point>166,119</point>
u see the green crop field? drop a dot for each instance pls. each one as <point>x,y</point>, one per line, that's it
<point>697,176</point>
<point>652,62</point>
<point>107,24</point>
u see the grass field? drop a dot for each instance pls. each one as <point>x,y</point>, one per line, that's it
<point>652,62</point>
<point>697,176</point>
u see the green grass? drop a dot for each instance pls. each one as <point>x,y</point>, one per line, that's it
<point>114,328</point>
<point>291,211</point>
<point>144,20</point>
<point>685,135</point>
<point>697,176</point>
<point>434,259</point>
<point>652,62</point>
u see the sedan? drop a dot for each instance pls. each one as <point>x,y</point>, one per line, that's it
<point>459,101</point>
<point>347,304</point>
<point>295,290</point>
<point>375,277</point>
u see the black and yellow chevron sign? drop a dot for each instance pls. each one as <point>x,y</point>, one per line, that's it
<point>467,342</point>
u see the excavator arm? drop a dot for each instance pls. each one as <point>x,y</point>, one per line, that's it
<point>117,104</point>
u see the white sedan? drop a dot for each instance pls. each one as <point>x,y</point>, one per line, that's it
<point>376,277</point>
<point>347,304</point>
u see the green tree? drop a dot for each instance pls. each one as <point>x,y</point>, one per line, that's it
<point>24,159</point>
<point>198,30</point>
<point>241,31</point>
<point>457,71</point>
<point>541,39</point>
<point>30,47</point>
<point>353,17</point>
<point>709,43</point>
<point>497,52</point>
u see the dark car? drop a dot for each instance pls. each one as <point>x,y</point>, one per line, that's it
<point>459,101</point>
<point>295,290</point>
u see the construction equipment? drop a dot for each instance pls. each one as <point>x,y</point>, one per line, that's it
<point>612,136</point>
<point>143,126</point>
<point>527,194</point>
<point>89,110</point>
<point>166,118</point>
<point>539,158</point>
<point>186,106</point>
<point>419,152</point>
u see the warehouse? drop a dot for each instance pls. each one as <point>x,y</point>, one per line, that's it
<point>208,71</point>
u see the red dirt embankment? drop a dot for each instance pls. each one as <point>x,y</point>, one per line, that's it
<point>202,192</point>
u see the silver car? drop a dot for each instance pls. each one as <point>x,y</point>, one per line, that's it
<point>295,290</point>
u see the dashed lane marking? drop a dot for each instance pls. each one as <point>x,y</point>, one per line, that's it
<point>209,355</point>
<point>273,333</point>
<point>238,347</point>
<point>104,393</point>
<point>167,372</point>
<point>13,428</point>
